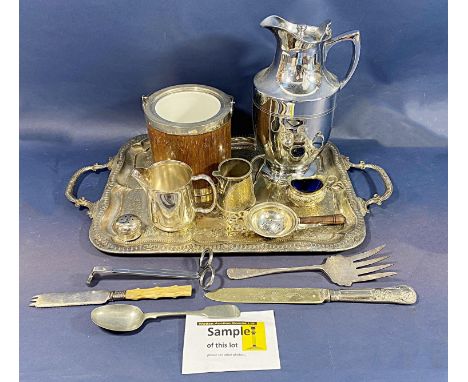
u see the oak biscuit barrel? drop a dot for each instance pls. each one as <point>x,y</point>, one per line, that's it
<point>190,123</point>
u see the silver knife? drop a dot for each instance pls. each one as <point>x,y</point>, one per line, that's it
<point>50,300</point>
<point>401,294</point>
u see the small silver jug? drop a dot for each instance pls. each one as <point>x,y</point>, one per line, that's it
<point>294,98</point>
<point>235,185</point>
<point>168,186</point>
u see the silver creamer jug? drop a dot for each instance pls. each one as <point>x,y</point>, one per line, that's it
<point>294,98</point>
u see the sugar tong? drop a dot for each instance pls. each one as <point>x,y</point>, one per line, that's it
<point>205,274</point>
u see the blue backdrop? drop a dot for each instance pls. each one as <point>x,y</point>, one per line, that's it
<point>83,67</point>
<point>84,61</point>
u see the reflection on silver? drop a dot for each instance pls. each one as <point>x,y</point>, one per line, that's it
<point>127,227</point>
<point>168,186</point>
<point>125,318</point>
<point>210,229</point>
<point>294,98</point>
<point>401,294</point>
<point>235,185</point>
<point>341,270</point>
<point>271,222</point>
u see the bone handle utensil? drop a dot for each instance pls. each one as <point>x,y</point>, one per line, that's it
<point>50,300</point>
<point>158,292</point>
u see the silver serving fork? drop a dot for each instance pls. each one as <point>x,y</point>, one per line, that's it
<point>341,270</point>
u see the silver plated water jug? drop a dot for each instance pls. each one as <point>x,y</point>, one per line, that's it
<point>294,98</point>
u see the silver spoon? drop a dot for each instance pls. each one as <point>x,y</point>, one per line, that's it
<point>125,318</point>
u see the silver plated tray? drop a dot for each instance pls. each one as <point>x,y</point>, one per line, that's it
<point>122,195</point>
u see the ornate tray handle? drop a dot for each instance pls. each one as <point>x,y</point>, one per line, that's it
<point>69,192</point>
<point>376,199</point>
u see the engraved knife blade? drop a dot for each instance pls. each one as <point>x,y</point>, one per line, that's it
<point>49,300</point>
<point>401,294</point>
<point>270,295</point>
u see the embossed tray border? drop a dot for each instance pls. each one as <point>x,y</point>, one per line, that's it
<point>104,243</point>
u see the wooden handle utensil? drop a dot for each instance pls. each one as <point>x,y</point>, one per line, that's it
<point>50,300</point>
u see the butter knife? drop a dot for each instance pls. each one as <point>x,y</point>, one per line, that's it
<point>95,297</point>
<point>401,294</point>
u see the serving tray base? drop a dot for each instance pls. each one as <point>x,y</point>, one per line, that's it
<point>123,195</point>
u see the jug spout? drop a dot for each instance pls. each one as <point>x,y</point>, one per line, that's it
<point>294,36</point>
<point>222,181</point>
<point>275,23</point>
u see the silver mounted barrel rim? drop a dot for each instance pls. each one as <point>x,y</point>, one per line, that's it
<point>188,109</point>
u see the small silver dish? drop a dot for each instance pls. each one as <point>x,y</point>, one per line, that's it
<point>272,220</point>
<point>310,190</point>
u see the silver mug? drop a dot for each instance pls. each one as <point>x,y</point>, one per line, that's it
<point>168,186</point>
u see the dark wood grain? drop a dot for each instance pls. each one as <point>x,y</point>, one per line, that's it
<point>337,219</point>
<point>202,152</point>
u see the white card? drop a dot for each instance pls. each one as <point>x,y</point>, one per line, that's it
<point>247,342</point>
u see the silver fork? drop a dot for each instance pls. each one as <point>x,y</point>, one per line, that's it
<point>341,270</point>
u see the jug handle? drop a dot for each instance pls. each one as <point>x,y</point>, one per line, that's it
<point>219,178</point>
<point>355,38</point>
<point>254,161</point>
<point>213,187</point>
